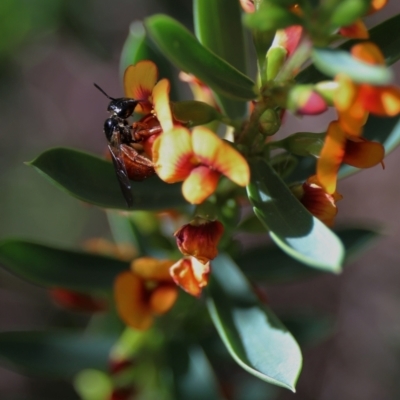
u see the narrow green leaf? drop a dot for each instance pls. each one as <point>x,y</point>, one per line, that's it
<point>194,378</point>
<point>290,225</point>
<point>332,62</point>
<point>55,354</point>
<point>184,50</point>
<point>271,265</point>
<point>54,267</point>
<point>217,25</point>
<point>93,180</point>
<point>253,335</point>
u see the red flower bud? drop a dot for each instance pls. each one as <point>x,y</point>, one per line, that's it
<point>200,239</point>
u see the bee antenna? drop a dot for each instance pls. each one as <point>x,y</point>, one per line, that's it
<point>102,91</point>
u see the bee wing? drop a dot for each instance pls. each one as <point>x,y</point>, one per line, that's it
<point>120,170</point>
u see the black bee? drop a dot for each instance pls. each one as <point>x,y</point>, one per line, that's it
<point>128,163</point>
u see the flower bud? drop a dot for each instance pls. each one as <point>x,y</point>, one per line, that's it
<point>317,201</point>
<point>305,100</point>
<point>200,239</point>
<point>304,144</point>
<point>276,57</point>
<point>269,122</point>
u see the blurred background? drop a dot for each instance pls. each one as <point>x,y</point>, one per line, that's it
<point>51,52</point>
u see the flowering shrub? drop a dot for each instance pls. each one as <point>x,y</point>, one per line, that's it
<point>211,167</point>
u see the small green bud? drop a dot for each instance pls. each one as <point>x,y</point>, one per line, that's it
<point>304,144</point>
<point>327,90</point>
<point>269,122</point>
<point>305,100</point>
<point>276,57</point>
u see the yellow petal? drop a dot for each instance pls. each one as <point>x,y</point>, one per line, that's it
<point>161,104</point>
<point>139,81</point>
<point>346,92</point>
<point>173,156</point>
<point>201,183</point>
<point>152,268</point>
<point>130,295</point>
<point>331,157</point>
<point>212,151</point>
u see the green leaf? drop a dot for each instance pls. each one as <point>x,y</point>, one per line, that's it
<point>253,335</point>
<point>290,225</point>
<point>332,62</point>
<point>271,17</point>
<point>384,35</point>
<point>55,354</point>
<point>194,112</point>
<point>217,25</point>
<point>53,267</point>
<point>184,50</point>
<point>194,378</point>
<point>93,180</point>
<point>271,265</point>
<point>382,130</point>
<point>138,47</point>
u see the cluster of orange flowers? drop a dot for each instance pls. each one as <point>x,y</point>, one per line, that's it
<point>198,158</point>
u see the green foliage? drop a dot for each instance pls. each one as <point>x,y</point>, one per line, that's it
<point>93,180</point>
<point>253,335</point>
<point>177,354</point>
<point>289,224</point>
<point>53,267</point>
<point>182,48</point>
<point>55,354</point>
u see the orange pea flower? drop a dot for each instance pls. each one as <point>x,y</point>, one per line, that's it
<point>198,158</point>
<point>191,275</point>
<point>139,81</point>
<point>200,239</point>
<point>200,91</point>
<point>320,203</point>
<point>339,147</point>
<point>354,101</point>
<point>147,290</point>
